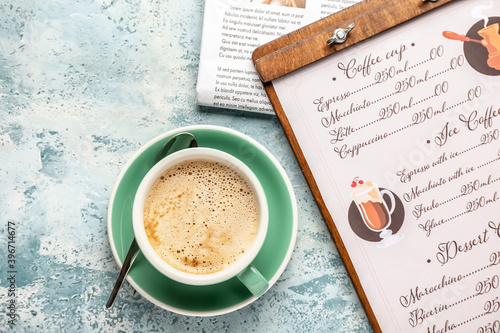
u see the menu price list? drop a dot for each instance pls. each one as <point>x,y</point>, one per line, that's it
<point>486,289</point>
<point>416,112</point>
<point>419,97</point>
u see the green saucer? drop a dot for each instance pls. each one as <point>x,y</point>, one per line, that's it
<point>223,297</point>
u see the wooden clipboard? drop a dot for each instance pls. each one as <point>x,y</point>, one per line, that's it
<point>307,45</point>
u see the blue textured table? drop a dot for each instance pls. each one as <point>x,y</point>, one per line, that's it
<point>83,85</point>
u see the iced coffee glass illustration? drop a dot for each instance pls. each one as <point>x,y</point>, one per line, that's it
<point>374,211</point>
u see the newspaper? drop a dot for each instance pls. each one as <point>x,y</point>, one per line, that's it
<point>232,29</point>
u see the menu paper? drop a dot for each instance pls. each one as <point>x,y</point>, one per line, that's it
<point>402,135</point>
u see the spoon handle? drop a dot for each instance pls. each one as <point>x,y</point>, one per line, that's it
<point>179,141</point>
<point>132,253</point>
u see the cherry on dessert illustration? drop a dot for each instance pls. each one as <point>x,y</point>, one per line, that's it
<point>356,181</point>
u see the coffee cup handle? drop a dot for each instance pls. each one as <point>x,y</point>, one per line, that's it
<point>393,201</point>
<point>254,281</point>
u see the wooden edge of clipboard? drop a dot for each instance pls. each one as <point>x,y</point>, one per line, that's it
<point>307,45</point>
<point>322,206</point>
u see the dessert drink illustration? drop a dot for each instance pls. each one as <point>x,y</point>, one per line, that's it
<point>372,207</point>
<point>374,211</point>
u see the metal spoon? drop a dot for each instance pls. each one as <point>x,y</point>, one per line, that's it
<point>177,142</point>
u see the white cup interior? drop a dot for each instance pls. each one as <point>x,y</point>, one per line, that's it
<point>138,221</point>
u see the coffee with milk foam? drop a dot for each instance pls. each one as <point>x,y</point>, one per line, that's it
<point>200,216</point>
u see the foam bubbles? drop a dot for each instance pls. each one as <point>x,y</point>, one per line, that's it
<point>200,216</point>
